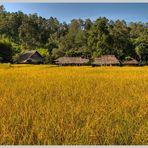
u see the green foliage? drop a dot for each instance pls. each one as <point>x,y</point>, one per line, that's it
<point>99,39</point>
<point>79,38</point>
<point>11,49</point>
<point>45,54</point>
<point>6,51</point>
<point>128,58</point>
<point>142,46</point>
<point>142,51</point>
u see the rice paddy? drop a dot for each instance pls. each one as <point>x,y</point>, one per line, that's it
<point>51,105</point>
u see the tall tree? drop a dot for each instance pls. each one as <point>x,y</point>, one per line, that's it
<point>99,39</point>
<point>141,44</point>
<point>122,45</point>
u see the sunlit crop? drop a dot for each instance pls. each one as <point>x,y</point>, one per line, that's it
<point>51,105</point>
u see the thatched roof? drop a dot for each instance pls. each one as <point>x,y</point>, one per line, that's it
<point>131,62</point>
<point>71,60</point>
<point>30,55</point>
<point>106,60</point>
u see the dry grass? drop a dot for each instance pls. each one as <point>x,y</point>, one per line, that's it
<point>73,105</point>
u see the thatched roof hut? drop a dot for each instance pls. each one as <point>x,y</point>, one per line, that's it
<point>71,61</point>
<point>131,62</point>
<point>106,60</point>
<point>30,57</point>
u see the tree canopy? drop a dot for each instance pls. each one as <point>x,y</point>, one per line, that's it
<point>83,38</point>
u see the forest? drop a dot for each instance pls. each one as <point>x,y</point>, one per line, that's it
<point>20,32</point>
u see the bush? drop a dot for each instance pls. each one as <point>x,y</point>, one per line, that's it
<point>45,54</point>
<point>6,51</point>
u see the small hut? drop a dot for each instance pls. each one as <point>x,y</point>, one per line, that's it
<point>106,60</point>
<point>131,62</point>
<point>71,61</point>
<point>30,57</point>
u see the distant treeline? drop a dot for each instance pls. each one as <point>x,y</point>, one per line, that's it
<point>85,38</point>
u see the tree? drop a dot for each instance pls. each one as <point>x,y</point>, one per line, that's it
<point>136,29</point>
<point>122,45</point>
<point>141,44</point>
<point>83,38</point>
<point>99,39</point>
<point>29,34</point>
<point>87,24</point>
<point>45,54</point>
<point>2,9</point>
<point>6,51</point>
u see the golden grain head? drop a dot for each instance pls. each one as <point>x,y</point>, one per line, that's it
<point>50,105</point>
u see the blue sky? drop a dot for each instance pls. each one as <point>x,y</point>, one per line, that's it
<point>67,11</point>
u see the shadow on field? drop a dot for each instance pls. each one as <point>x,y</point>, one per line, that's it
<point>32,66</point>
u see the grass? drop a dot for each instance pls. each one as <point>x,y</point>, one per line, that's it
<point>52,105</point>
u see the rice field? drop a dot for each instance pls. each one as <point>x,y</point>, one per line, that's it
<point>51,105</point>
